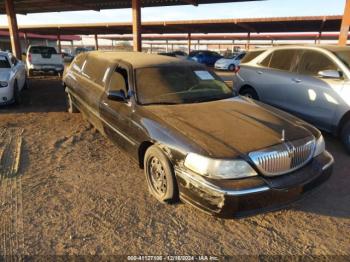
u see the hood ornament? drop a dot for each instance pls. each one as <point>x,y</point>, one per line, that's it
<point>283,139</point>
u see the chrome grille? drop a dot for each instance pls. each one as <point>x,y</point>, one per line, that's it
<point>284,158</point>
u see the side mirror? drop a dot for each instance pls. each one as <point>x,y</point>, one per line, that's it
<point>117,95</point>
<point>329,74</point>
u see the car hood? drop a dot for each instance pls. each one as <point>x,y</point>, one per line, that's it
<point>4,74</point>
<point>230,128</point>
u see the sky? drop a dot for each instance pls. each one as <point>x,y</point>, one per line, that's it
<point>268,8</point>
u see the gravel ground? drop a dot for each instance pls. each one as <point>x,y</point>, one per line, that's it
<point>74,192</point>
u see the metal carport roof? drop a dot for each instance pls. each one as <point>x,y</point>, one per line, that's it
<point>40,6</point>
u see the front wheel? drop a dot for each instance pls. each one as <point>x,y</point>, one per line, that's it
<point>71,108</point>
<point>160,176</point>
<point>16,94</point>
<point>345,136</point>
<point>250,93</point>
<point>231,68</point>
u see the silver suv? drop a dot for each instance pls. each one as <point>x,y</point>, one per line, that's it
<point>312,82</point>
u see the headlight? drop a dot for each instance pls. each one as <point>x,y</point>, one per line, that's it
<point>218,169</point>
<point>3,84</point>
<point>320,146</point>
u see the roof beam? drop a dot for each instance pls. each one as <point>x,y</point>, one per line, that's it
<point>191,2</point>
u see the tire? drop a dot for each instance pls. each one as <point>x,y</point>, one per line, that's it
<point>250,93</point>
<point>231,68</point>
<point>71,108</point>
<point>160,176</point>
<point>26,84</point>
<point>345,136</point>
<point>16,94</point>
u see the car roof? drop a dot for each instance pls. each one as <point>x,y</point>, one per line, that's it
<point>331,48</point>
<point>139,60</point>
<point>4,53</point>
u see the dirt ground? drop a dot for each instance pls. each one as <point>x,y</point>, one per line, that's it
<point>65,189</point>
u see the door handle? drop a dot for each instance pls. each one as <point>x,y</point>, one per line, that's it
<point>259,72</point>
<point>296,80</point>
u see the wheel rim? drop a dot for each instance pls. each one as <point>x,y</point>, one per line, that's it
<point>157,176</point>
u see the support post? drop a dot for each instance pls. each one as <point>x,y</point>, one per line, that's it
<point>233,46</point>
<point>166,46</point>
<point>26,43</point>
<point>151,48</point>
<point>13,29</point>
<point>59,43</point>
<point>248,42</point>
<point>136,25</point>
<point>96,42</point>
<point>189,43</point>
<point>344,30</point>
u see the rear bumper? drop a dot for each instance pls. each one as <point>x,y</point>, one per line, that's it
<point>46,68</point>
<point>234,198</point>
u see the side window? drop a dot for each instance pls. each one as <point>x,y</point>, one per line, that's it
<point>266,61</point>
<point>119,80</point>
<point>282,59</point>
<point>313,62</point>
<point>78,63</point>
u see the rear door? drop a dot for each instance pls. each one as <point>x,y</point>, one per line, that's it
<point>313,98</point>
<point>117,115</point>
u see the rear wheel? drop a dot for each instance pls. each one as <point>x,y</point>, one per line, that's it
<point>160,176</point>
<point>250,93</point>
<point>71,108</point>
<point>345,136</point>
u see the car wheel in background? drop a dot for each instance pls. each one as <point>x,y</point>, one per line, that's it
<point>345,136</point>
<point>16,94</point>
<point>250,93</point>
<point>160,176</point>
<point>30,73</point>
<point>26,83</point>
<point>231,67</point>
<point>71,108</point>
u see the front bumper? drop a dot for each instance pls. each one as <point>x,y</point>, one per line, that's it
<point>6,96</point>
<point>221,67</point>
<point>234,198</point>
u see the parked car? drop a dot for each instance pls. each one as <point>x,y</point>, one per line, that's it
<point>12,79</point>
<point>229,63</point>
<point>312,82</point>
<point>44,59</point>
<point>195,139</point>
<point>67,58</point>
<point>207,58</point>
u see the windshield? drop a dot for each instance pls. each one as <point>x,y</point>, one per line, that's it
<point>43,50</point>
<point>4,62</point>
<point>344,56</point>
<point>178,85</point>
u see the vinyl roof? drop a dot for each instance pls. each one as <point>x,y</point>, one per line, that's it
<point>41,6</point>
<point>140,60</point>
<point>253,25</point>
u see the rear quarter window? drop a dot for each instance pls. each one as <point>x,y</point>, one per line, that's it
<point>43,50</point>
<point>251,55</point>
<point>95,69</point>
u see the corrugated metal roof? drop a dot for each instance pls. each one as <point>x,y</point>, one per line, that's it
<point>253,25</point>
<point>40,6</point>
